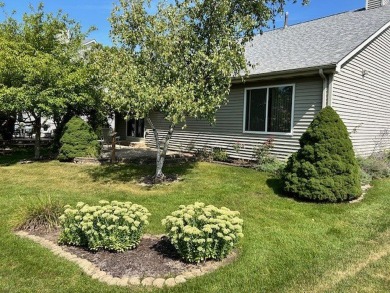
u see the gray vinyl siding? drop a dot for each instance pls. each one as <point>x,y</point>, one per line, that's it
<point>228,129</point>
<point>363,100</point>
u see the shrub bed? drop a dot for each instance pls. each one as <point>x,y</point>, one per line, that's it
<point>201,232</point>
<point>115,226</point>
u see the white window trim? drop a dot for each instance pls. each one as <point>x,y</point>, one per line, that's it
<point>266,112</point>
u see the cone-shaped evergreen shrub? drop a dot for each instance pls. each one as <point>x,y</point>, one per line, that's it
<point>78,140</point>
<point>325,167</point>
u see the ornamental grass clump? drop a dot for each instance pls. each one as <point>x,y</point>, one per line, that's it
<point>201,232</point>
<point>38,213</point>
<point>114,226</point>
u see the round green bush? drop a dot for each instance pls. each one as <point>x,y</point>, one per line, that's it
<point>201,232</point>
<point>324,168</point>
<point>115,226</point>
<point>78,140</point>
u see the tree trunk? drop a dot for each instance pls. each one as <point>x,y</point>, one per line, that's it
<point>60,124</point>
<point>113,147</point>
<point>37,143</point>
<point>159,176</point>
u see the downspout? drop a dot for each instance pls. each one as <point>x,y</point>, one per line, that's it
<point>324,87</point>
<point>330,89</point>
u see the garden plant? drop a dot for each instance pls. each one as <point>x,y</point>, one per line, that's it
<point>38,213</point>
<point>201,232</point>
<point>220,155</point>
<point>376,165</point>
<point>78,140</point>
<point>115,226</point>
<point>265,161</point>
<point>325,167</point>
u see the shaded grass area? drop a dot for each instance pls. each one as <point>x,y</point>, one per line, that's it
<point>15,156</point>
<point>122,173</point>
<point>289,246</point>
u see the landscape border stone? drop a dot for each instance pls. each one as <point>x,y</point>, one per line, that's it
<point>94,271</point>
<point>365,188</point>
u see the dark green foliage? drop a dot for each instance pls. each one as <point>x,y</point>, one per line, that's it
<point>325,167</point>
<point>78,140</point>
<point>7,125</point>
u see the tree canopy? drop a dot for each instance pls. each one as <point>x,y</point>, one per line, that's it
<point>42,69</point>
<point>180,59</point>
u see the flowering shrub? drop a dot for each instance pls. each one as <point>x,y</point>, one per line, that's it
<point>262,152</point>
<point>115,226</point>
<point>201,232</point>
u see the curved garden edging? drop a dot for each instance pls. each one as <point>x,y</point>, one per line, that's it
<point>96,273</point>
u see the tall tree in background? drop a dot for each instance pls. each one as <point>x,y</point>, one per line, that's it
<point>179,60</point>
<point>42,70</point>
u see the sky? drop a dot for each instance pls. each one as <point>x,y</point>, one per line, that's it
<point>96,12</point>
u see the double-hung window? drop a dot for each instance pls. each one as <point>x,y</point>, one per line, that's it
<point>269,109</point>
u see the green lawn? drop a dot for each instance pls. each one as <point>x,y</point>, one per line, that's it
<point>288,246</point>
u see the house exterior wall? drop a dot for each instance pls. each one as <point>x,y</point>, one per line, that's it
<point>228,129</point>
<point>361,96</point>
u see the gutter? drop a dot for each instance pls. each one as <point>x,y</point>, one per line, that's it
<point>327,84</point>
<point>292,73</point>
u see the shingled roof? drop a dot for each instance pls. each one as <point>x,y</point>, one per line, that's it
<point>318,43</point>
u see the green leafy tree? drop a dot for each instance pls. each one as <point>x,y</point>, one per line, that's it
<point>78,140</point>
<point>43,72</point>
<point>179,60</point>
<point>325,167</point>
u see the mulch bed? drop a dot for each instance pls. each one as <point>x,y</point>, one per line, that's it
<point>154,257</point>
<point>150,180</point>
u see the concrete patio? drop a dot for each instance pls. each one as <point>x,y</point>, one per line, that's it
<point>135,153</point>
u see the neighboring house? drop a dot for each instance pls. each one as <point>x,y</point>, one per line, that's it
<point>341,60</point>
